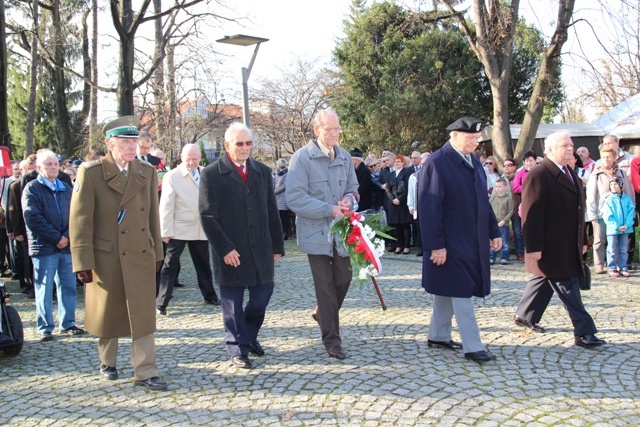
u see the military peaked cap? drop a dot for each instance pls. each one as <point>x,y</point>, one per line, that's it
<point>122,127</point>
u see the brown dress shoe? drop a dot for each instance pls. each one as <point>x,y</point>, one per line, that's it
<point>337,352</point>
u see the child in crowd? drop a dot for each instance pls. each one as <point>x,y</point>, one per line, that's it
<point>618,212</point>
<point>502,204</point>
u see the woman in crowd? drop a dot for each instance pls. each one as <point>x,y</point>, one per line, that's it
<point>528,161</point>
<point>280,185</point>
<point>606,169</point>
<point>398,215</point>
<point>492,172</point>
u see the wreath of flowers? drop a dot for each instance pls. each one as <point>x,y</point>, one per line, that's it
<point>362,237</point>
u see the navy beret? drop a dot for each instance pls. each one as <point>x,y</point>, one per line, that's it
<point>466,124</point>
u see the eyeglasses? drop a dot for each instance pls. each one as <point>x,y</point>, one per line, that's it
<point>488,163</point>
<point>509,165</point>
<point>329,130</point>
<point>243,143</point>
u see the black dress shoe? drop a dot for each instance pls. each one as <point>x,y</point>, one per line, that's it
<point>419,253</point>
<point>256,348</point>
<point>161,310</point>
<point>337,352</point>
<point>108,372</point>
<point>153,383</point>
<point>589,341</point>
<point>212,301</point>
<point>451,345</point>
<point>242,361</point>
<point>178,285</point>
<point>480,356</point>
<point>526,324</point>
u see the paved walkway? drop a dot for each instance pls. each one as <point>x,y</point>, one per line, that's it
<point>390,376</point>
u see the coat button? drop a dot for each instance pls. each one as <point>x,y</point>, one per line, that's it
<point>122,231</point>
<point>123,253</point>
<point>144,251</point>
<point>141,208</point>
<point>142,229</point>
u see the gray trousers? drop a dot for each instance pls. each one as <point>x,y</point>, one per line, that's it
<point>440,327</point>
<point>599,243</point>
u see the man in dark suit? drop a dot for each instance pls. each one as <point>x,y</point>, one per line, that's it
<point>364,180</point>
<point>240,217</point>
<point>457,226</point>
<point>553,205</point>
<point>144,147</point>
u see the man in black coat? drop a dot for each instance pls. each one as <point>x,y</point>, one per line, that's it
<point>144,147</point>
<point>364,180</point>
<point>553,205</point>
<point>240,217</point>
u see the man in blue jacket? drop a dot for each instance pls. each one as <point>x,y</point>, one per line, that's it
<point>46,202</point>
<point>457,226</point>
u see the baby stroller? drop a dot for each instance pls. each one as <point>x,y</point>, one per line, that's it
<point>11,326</point>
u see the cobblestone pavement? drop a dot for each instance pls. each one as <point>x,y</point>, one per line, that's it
<point>390,376</point>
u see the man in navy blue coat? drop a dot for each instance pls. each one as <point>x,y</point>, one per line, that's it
<point>457,225</point>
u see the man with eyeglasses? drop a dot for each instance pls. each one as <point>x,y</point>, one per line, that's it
<point>116,248</point>
<point>240,217</point>
<point>144,148</point>
<point>320,175</point>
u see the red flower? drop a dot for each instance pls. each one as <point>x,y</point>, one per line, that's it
<point>355,231</point>
<point>360,247</point>
<point>351,240</point>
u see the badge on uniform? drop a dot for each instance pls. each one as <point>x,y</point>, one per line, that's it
<point>76,187</point>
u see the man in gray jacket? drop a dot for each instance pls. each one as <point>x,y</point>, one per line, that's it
<point>320,174</point>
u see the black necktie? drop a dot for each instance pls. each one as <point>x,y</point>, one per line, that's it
<point>567,174</point>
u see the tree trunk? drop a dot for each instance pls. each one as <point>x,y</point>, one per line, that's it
<point>495,28</point>
<point>501,132</point>
<point>172,109</point>
<point>4,119</point>
<point>127,50</point>
<point>93,120</point>
<point>158,83</point>
<point>550,60</point>
<point>33,81</point>
<point>63,121</point>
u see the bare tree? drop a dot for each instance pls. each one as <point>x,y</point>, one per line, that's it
<point>544,81</point>
<point>5,135</point>
<point>615,75</point>
<point>492,42</point>
<point>93,119</point>
<point>288,103</point>
<point>33,81</point>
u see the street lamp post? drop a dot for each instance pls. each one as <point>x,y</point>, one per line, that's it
<point>242,40</point>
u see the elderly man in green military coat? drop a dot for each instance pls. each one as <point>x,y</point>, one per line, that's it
<point>116,250</point>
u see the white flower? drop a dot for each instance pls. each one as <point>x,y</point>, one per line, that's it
<point>366,272</point>
<point>368,231</point>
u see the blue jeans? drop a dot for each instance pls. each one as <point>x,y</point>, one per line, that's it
<point>504,252</point>
<point>46,269</point>
<point>617,251</point>
<point>516,223</point>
